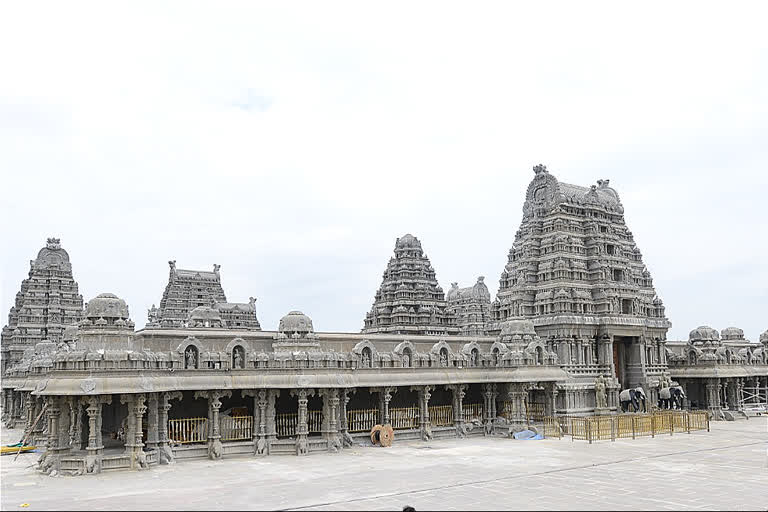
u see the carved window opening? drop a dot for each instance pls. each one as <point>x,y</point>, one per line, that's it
<point>474,357</point>
<point>618,275</point>
<point>539,356</point>
<point>366,357</point>
<point>610,249</point>
<point>443,357</point>
<point>407,358</point>
<point>626,306</point>
<point>495,355</point>
<point>191,357</point>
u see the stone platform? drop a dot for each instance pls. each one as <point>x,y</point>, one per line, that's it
<point>726,469</point>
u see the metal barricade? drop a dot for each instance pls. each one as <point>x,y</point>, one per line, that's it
<point>236,428</point>
<point>441,415</point>
<point>362,420</point>
<point>472,411</point>
<point>404,418</point>
<point>188,430</point>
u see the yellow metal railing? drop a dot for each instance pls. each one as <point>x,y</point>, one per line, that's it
<point>472,411</point>
<point>315,421</point>
<point>188,430</point>
<point>596,428</point>
<point>236,428</point>
<point>404,417</point>
<point>362,420</point>
<point>534,411</point>
<point>441,415</point>
<point>285,424</point>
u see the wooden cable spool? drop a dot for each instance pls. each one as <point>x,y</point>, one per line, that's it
<point>386,435</point>
<point>375,434</point>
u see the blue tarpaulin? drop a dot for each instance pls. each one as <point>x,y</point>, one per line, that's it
<point>526,435</point>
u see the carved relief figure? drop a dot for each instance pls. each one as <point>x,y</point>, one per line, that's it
<point>601,396</point>
<point>191,358</point>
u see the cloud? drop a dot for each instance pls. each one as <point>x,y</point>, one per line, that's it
<point>294,145</point>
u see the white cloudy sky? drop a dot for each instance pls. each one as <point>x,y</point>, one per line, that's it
<point>292,144</point>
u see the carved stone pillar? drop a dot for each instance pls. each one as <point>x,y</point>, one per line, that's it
<point>489,409</point>
<point>713,397</point>
<point>153,435</point>
<point>517,393</point>
<point>550,406</point>
<point>458,408</point>
<point>215,448</point>
<point>164,405</point>
<point>425,393</point>
<point>330,418</point>
<point>30,412</point>
<point>385,396</point>
<point>272,395</point>
<point>95,446</point>
<point>259,433</point>
<point>302,429</point>
<point>346,439</point>
<point>50,461</point>
<point>133,438</point>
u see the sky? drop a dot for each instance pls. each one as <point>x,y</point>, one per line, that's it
<point>293,143</point>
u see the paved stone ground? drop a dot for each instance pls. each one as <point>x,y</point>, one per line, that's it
<point>726,469</point>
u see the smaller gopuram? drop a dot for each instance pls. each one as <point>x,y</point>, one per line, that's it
<point>409,300</point>
<point>471,306</point>
<point>46,304</point>
<point>195,298</point>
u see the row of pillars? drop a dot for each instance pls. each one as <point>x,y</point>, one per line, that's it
<point>63,417</point>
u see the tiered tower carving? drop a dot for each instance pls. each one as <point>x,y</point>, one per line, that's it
<point>47,303</point>
<point>574,268</point>
<point>409,300</point>
<point>195,298</point>
<point>472,307</point>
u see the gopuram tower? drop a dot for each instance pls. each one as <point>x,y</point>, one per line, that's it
<point>195,298</point>
<point>48,302</point>
<point>409,300</point>
<point>575,271</point>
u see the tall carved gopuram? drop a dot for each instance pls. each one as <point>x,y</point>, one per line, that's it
<point>409,300</point>
<point>195,298</point>
<point>46,304</point>
<point>574,270</point>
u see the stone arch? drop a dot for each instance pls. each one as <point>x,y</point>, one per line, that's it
<point>472,351</point>
<point>230,351</point>
<point>693,355</point>
<point>442,344</point>
<point>406,351</point>
<point>190,340</point>
<point>365,349</point>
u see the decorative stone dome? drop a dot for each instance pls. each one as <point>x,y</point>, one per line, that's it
<point>107,306</point>
<point>408,241</point>
<point>703,334</point>
<point>52,255</point>
<point>732,333</point>
<point>521,327</point>
<point>295,321</point>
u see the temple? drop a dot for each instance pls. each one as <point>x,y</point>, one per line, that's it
<point>46,304</point>
<point>576,320</point>
<point>409,300</point>
<point>195,298</point>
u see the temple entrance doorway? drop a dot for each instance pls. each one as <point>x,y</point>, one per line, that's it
<point>627,360</point>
